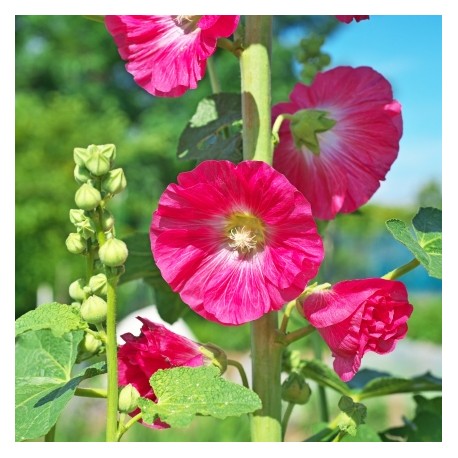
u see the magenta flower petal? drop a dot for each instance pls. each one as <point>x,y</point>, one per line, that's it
<point>356,153</point>
<point>348,19</point>
<point>155,348</point>
<point>235,241</point>
<point>358,316</point>
<point>167,55</point>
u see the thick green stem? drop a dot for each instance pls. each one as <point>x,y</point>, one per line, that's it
<point>266,366</point>
<point>257,145</point>
<point>112,362</point>
<point>396,273</point>
<point>256,98</point>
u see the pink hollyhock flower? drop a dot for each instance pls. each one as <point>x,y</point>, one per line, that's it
<point>342,139</point>
<point>167,55</point>
<point>357,316</point>
<point>155,348</point>
<point>235,241</point>
<point>348,19</point>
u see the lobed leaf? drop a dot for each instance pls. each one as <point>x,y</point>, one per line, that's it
<point>44,384</point>
<point>184,392</point>
<point>425,242</point>
<point>59,318</point>
<point>214,130</point>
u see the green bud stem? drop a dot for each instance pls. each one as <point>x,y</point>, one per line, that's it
<point>91,393</point>
<point>286,417</point>
<point>291,337</point>
<point>276,128</point>
<point>396,273</point>
<point>125,427</point>
<point>214,82</point>
<point>239,367</point>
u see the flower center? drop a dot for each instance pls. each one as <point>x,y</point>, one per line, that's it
<point>245,232</point>
<point>187,23</point>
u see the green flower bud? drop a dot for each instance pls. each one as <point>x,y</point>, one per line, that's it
<point>306,124</point>
<point>107,220</point>
<point>87,197</point>
<point>75,243</point>
<point>88,347</point>
<point>87,229</point>
<point>214,355</point>
<point>98,284</point>
<point>76,290</point>
<point>114,182</point>
<point>109,151</point>
<point>295,389</point>
<point>324,60</point>
<point>113,252</point>
<point>81,174</point>
<point>97,163</point>
<point>77,216</point>
<point>128,399</point>
<point>94,310</point>
<point>80,155</point>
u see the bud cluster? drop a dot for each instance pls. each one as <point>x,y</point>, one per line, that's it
<point>94,234</point>
<point>311,57</point>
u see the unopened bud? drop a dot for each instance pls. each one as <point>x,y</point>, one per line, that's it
<point>87,228</point>
<point>81,174</point>
<point>88,347</point>
<point>295,389</point>
<point>97,163</point>
<point>214,355</point>
<point>107,220</point>
<point>128,399</point>
<point>77,216</point>
<point>75,243</point>
<point>80,155</point>
<point>94,310</point>
<point>87,197</point>
<point>76,290</point>
<point>109,151</point>
<point>114,182</point>
<point>113,252</point>
<point>98,284</point>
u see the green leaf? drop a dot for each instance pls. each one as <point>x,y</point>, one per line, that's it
<point>323,375</point>
<point>169,304</point>
<point>44,384</point>
<point>60,318</point>
<point>214,130</point>
<point>184,392</point>
<point>383,386</point>
<point>140,262</point>
<point>352,415</point>
<point>140,265</point>
<point>426,426</point>
<point>425,242</point>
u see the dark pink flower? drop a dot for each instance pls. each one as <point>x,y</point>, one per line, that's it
<point>357,316</point>
<point>167,55</point>
<point>155,348</point>
<point>235,241</point>
<point>341,159</point>
<point>348,19</point>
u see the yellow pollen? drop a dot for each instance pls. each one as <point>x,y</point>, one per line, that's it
<point>245,232</point>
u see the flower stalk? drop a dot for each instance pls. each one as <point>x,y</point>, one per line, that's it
<point>257,145</point>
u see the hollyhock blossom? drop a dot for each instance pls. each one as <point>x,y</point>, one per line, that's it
<point>155,348</point>
<point>342,139</point>
<point>167,55</point>
<point>357,316</point>
<point>235,241</point>
<point>348,19</point>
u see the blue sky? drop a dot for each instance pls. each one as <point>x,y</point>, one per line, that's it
<point>407,50</point>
